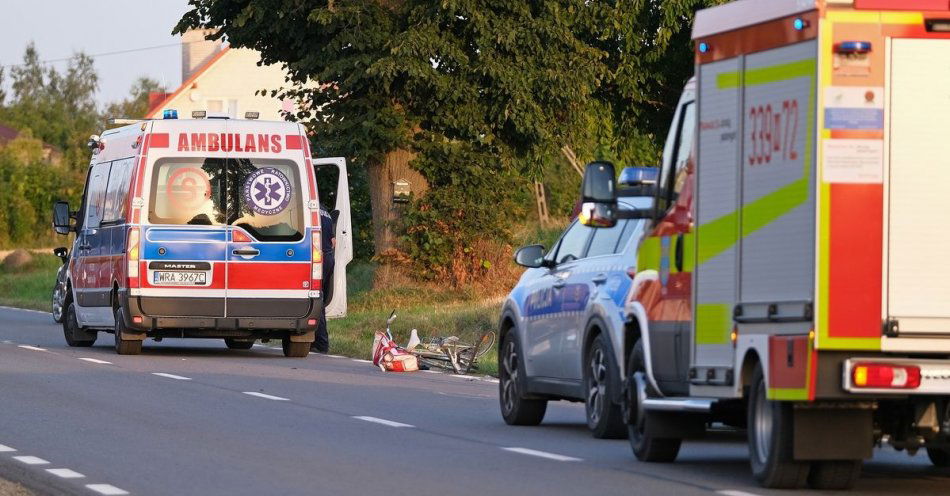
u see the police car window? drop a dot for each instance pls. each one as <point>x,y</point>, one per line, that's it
<point>605,239</point>
<point>264,198</point>
<point>628,230</point>
<point>188,191</point>
<point>96,195</point>
<point>573,243</point>
<point>117,193</point>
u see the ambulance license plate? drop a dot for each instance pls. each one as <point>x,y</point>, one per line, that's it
<point>180,278</point>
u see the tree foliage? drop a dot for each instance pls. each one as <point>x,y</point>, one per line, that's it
<point>136,105</point>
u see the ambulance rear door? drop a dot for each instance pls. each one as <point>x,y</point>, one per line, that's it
<point>269,244</point>
<point>340,200</point>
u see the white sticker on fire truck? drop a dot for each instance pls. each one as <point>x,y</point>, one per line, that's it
<point>853,161</point>
<point>854,107</point>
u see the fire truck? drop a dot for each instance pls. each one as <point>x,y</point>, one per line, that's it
<point>791,283</point>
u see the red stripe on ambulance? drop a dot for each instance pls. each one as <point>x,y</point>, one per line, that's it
<point>271,275</point>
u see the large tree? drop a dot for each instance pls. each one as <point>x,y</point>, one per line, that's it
<point>468,91</point>
<point>136,105</point>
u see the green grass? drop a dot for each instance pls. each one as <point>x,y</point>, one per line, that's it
<point>29,286</point>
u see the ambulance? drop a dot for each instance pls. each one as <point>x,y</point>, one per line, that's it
<point>202,228</point>
<point>795,281</point>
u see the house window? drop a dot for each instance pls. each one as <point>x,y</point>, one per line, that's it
<point>215,106</point>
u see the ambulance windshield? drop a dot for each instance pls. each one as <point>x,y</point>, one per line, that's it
<point>260,196</point>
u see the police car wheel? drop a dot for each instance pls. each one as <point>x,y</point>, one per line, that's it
<point>771,439</point>
<point>294,349</point>
<point>235,344</point>
<point>515,408</point>
<point>76,336</point>
<point>604,418</point>
<point>646,447</point>
<point>124,346</point>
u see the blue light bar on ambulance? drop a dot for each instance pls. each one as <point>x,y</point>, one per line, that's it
<point>169,114</point>
<point>703,47</point>
<point>799,24</point>
<point>853,47</point>
<point>636,176</point>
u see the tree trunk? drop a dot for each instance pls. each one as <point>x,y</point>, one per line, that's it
<point>394,167</point>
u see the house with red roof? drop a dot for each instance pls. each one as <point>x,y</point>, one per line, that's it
<point>222,81</point>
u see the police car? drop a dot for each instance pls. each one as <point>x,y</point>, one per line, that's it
<point>562,325</point>
<point>200,228</point>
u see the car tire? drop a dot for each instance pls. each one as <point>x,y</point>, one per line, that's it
<point>834,474</point>
<point>516,409</point>
<point>295,349</point>
<point>59,302</point>
<point>124,346</point>
<point>235,344</point>
<point>939,457</point>
<point>645,446</point>
<point>771,439</point>
<point>76,336</point>
<point>604,418</point>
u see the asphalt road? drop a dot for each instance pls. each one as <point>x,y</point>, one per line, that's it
<point>192,417</point>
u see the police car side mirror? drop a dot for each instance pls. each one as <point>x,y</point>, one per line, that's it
<point>531,256</point>
<point>599,195</point>
<point>61,218</point>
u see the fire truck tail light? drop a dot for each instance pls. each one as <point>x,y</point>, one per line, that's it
<point>885,376</point>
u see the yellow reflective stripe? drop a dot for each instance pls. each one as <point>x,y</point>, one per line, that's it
<point>713,323</point>
<point>787,394</point>
<point>648,256</point>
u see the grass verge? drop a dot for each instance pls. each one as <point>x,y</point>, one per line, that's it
<point>29,286</point>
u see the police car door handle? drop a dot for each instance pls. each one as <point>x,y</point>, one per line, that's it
<point>246,252</point>
<point>599,278</point>
<point>84,247</point>
<point>558,284</point>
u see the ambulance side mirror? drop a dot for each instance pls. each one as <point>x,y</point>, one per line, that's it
<point>61,218</point>
<point>599,195</point>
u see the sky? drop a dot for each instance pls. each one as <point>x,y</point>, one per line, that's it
<point>62,27</point>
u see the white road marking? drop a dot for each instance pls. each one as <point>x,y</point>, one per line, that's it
<point>65,473</point>
<point>28,347</point>
<point>265,396</point>
<point>172,376</point>
<point>385,422</point>
<point>360,360</point>
<point>107,489</point>
<point>24,310</point>
<point>734,492</point>
<point>491,380</point>
<point>336,356</point>
<point>543,454</point>
<point>31,460</point>
<point>96,360</point>
<point>6,341</point>
<point>6,449</point>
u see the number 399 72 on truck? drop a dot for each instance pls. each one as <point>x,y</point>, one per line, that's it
<point>794,278</point>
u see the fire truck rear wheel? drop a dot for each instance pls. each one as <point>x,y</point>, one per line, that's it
<point>834,474</point>
<point>604,418</point>
<point>940,457</point>
<point>646,447</point>
<point>235,344</point>
<point>770,440</point>
<point>124,346</point>
<point>515,408</point>
<point>294,349</point>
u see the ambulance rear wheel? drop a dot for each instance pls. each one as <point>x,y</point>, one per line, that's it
<point>834,474</point>
<point>124,346</point>
<point>940,457</point>
<point>76,336</point>
<point>294,349</point>
<point>234,344</point>
<point>770,440</point>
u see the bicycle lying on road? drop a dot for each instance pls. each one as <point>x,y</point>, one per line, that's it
<point>449,353</point>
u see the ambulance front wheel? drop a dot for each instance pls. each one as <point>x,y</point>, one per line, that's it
<point>295,349</point>
<point>124,346</point>
<point>770,440</point>
<point>76,336</point>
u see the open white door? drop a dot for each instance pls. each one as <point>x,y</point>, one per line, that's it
<point>344,235</point>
